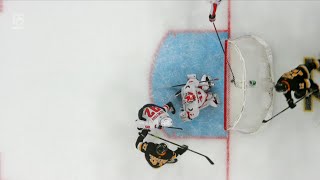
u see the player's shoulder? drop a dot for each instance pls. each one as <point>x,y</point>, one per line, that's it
<point>144,146</point>
<point>303,68</point>
<point>148,147</point>
<point>148,105</point>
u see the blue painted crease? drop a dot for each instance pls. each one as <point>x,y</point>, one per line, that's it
<point>191,53</point>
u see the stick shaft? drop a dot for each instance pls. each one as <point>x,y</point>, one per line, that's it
<point>224,52</point>
<point>218,37</point>
<point>267,120</point>
<point>211,162</point>
<point>215,79</point>
<point>174,128</point>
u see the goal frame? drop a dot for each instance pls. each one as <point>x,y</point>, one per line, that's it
<point>243,84</point>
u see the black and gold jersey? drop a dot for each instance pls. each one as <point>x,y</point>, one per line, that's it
<point>296,80</point>
<point>155,160</point>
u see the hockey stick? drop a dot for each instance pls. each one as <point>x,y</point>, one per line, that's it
<point>267,120</point>
<point>218,37</point>
<point>233,79</point>
<point>215,79</point>
<point>171,127</point>
<point>174,128</point>
<point>211,162</point>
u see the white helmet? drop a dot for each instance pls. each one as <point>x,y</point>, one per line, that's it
<point>166,122</point>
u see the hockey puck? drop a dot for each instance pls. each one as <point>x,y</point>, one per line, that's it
<point>252,83</point>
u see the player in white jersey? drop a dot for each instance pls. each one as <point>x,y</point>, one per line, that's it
<point>196,95</point>
<point>152,116</point>
<point>214,6</point>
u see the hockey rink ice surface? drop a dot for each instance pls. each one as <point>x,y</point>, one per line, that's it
<point>74,74</point>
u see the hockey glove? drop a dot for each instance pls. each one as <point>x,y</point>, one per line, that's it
<point>172,109</point>
<point>291,103</point>
<point>144,132</point>
<point>314,90</point>
<point>212,18</point>
<point>182,149</point>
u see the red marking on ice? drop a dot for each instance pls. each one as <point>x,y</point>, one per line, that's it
<point>174,136</point>
<point>228,157</point>
<point>174,32</point>
<point>226,87</point>
<point>1,6</point>
<point>227,112</point>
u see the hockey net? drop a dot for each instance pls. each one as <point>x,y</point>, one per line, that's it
<point>249,100</point>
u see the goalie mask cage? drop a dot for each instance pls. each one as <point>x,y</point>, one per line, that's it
<point>249,99</point>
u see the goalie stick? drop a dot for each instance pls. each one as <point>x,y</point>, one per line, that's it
<point>224,52</point>
<point>215,79</point>
<point>210,161</point>
<point>170,127</point>
<point>307,95</point>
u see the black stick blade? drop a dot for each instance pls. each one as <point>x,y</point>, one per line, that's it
<point>175,128</point>
<point>211,162</point>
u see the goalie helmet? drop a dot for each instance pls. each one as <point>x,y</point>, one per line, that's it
<point>166,122</point>
<point>161,149</point>
<point>282,86</point>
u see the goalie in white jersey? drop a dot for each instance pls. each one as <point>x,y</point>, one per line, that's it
<point>196,95</point>
<point>152,116</point>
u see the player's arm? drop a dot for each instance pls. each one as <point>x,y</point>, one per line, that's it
<point>169,108</point>
<point>313,86</point>
<point>287,92</point>
<point>289,99</point>
<point>139,143</point>
<point>312,64</point>
<point>140,114</point>
<point>180,150</point>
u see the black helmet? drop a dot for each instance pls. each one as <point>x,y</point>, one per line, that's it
<point>161,148</point>
<point>281,86</point>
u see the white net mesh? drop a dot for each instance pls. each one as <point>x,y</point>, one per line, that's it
<point>249,100</point>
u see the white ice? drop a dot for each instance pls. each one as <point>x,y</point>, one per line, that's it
<point>74,74</point>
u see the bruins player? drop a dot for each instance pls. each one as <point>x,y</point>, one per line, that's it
<point>157,155</point>
<point>298,80</point>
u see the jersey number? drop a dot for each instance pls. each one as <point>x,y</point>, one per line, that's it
<point>301,85</point>
<point>150,111</point>
<point>156,161</point>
